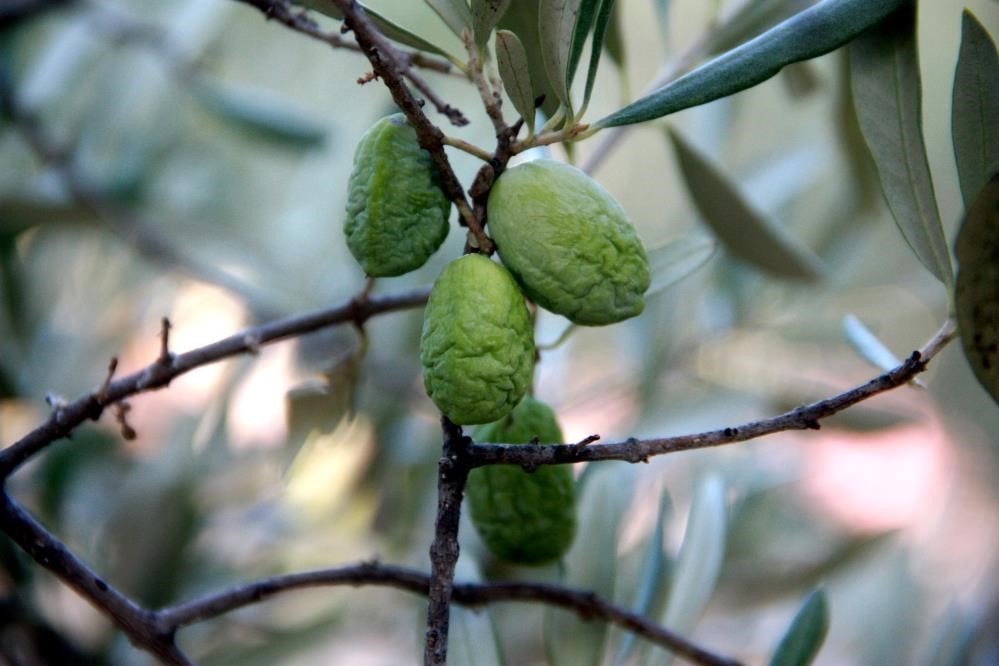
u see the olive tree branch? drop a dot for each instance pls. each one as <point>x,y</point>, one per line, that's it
<point>299,21</point>
<point>137,623</point>
<point>587,605</point>
<point>386,65</point>
<point>453,468</point>
<point>66,418</point>
<point>633,450</point>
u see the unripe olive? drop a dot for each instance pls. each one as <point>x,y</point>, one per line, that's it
<point>477,347</point>
<point>568,243</point>
<point>524,518</point>
<point>397,215</point>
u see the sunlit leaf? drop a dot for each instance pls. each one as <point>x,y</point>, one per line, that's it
<point>977,293</point>
<point>485,15</point>
<point>699,561</point>
<point>806,634</point>
<point>454,13</point>
<point>557,26</point>
<point>746,232</point>
<point>888,98</point>
<point>261,115</point>
<point>811,33</point>
<point>511,58</point>
<point>975,110</point>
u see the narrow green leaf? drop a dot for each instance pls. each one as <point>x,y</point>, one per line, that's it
<point>806,634</point>
<point>599,33</point>
<point>746,232</point>
<point>975,111</point>
<point>700,559</point>
<point>887,96</point>
<point>260,114</point>
<point>870,348</point>
<point>977,292</point>
<point>386,26</point>
<point>511,58</point>
<point>485,15</point>
<point>557,26</point>
<point>584,22</point>
<point>454,13</point>
<point>811,33</point>
<point>651,577</point>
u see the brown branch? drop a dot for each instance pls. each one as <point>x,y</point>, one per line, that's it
<point>453,470</point>
<point>587,605</point>
<point>139,624</point>
<point>66,417</point>
<point>299,21</point>
<point>634,450</point>
<point>385,62</point>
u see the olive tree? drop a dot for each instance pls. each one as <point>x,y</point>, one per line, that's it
<point>555,233</point>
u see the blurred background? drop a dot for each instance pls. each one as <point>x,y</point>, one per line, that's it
<point>189,159</point>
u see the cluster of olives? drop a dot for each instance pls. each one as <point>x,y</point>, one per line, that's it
<point>565,243</point>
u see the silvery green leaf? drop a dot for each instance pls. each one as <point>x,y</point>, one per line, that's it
<point>808,34</point>
<point>485,15</point>
<point>557,26</point>
<point>454,13</point>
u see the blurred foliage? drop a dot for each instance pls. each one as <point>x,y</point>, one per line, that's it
<point>231,138</point>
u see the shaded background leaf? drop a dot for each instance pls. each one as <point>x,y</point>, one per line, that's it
<point>745,232</point>
<point>455,13</point>
<point>887,95</point>
<point>975,108</point>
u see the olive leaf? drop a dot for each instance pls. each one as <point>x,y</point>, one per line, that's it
<point>746,232</point>
<point>652,576</point>
<point>511,58</point>
<point>454,13</point>
<point>975,111</point>
<point>260,114</point>
<point>977,292</point>
<point>557,27</point>
<point>584,21</point>
<point>386,26</point>
<point>802,640</point>
<point>811,33</point>
<point>523,19</point>
<point>887,96</point>
<point>485,15</point>
<point>699,561</point>
<point>603,19</point>
<point>870,348</point>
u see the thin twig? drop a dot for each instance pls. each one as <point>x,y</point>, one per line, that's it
<point>157,375</point>
<point>640,450</point>
<point>587,605</point>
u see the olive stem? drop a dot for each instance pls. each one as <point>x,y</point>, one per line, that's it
<point>467,147</point>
